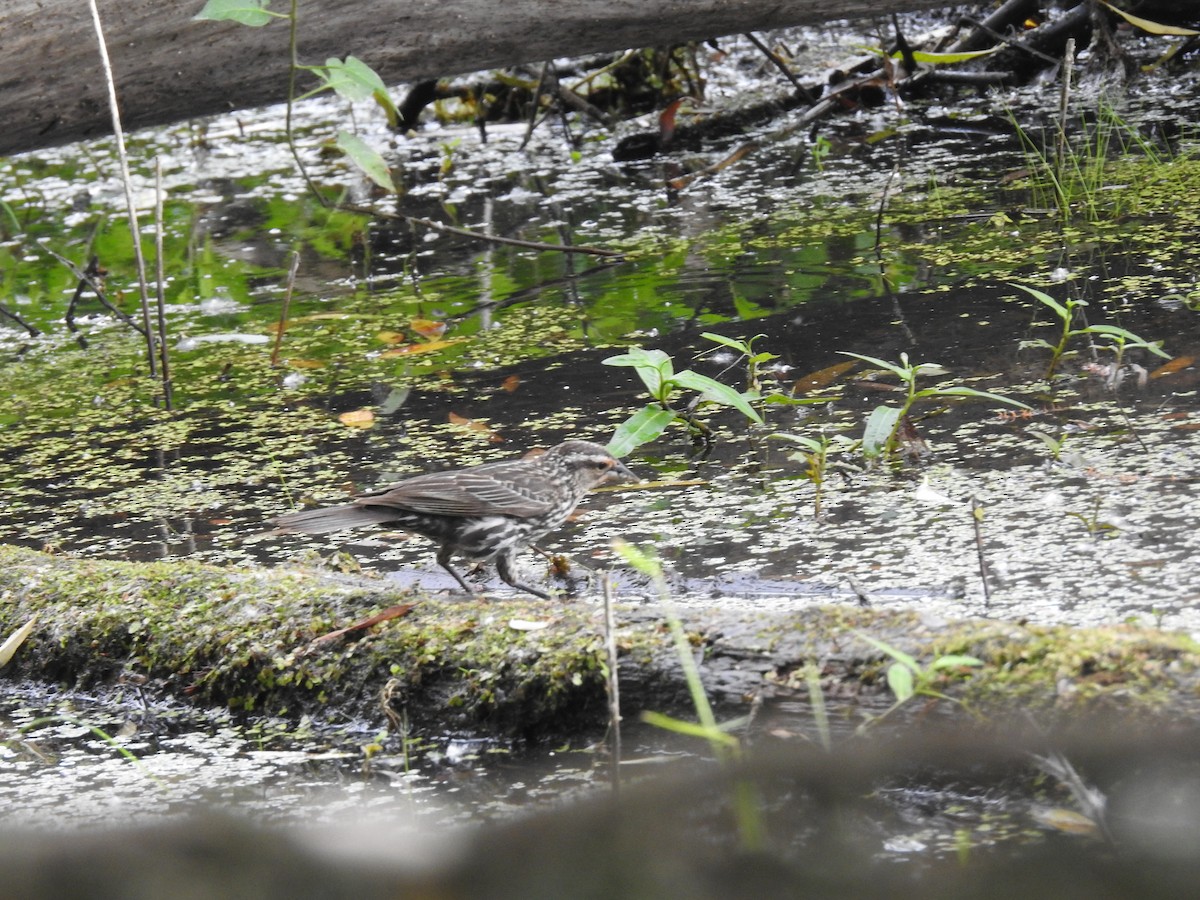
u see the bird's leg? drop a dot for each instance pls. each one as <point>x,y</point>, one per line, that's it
<point>443,558</point>
<point>504,566</point>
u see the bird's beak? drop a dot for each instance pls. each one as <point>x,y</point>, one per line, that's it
<point>619,474</point>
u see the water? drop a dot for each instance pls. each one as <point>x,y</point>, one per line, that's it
<point>1100,532</point>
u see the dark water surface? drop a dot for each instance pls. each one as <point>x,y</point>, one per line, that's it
<point>1096,525</point>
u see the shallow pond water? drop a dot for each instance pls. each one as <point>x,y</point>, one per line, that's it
<point>463,352</point>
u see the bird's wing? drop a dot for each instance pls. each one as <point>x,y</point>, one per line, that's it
<point>483,491</point>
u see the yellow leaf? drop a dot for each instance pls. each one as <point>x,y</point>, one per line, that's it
<point>414,349</point>
<point>428,328</point>
<point>1151,27</point>
<point>358,418</point>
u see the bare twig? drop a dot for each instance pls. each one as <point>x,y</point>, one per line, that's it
<point>475,235</point>
<point>782,67</point>
<point>614,690</point>
<point>8,313</point>
<point>86,277</point>
<point>976,518</point>
<point>123,159</point>
<point>287,302</point>
<point>160,279</point>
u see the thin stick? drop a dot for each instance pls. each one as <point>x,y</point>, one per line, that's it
<point>123,158</point>
<point>86,277</point>
<point>976,518</point>
<point>287,302</point>
<point>1064,102</point>
<point>614,689</point>
<point>159,293</point>
<point>8,313</point>
<point>775,58</point>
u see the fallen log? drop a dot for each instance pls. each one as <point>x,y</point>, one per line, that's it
<point>259,639</point>
<point>169,67</point>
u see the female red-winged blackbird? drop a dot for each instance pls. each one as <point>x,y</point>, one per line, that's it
<point>485,512</point>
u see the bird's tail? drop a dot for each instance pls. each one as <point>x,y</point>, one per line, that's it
<point>333,518</point>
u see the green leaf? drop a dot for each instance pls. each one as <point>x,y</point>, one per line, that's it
<point>900,680</point>
<point>942,59</point>
<point>692,729</point>
<point>1059,310</point>
<point>367,159</point>
<point>1151,27</point>
<point>249,12</point>
<point>953,661</point>
<point>899,655</point>
<point>731,343</point>
<point>807,443</point>
<point>880,425</point>
<point>969,392</point>
<point>654,367</point>
<point>1129,337</point>
<point>642,427</point>
<point>352,79</point>
<point>717,392</point>
<point>903,372</point>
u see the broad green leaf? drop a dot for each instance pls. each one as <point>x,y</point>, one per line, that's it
<point>731,343</point>
<point>1151,27</point>
<point>899,655</point>
<point>637,356</point>
<point>880,425</point>
<point>900,680</point>
<point>366,158</point>
<point>642,427</point>
<point>1128,336</point>
<point>352,79</point>
<point>249,12</point>
<point>654,367</point>
<point>969,392</point>
<point>902,372</point>
<point>807,443</point>
<point>1059,309</point>
<point>717,392</point>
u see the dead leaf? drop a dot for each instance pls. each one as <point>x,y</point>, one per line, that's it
<point>390,337</point>
<point>1065,820</point>
<point>822,377</point>
<point>358,418</point>
<point>414,349</point>
<point>304,363</point>
<point>1175,365</point>
<point>428,328</point>
<point>392,612</point>
<point>526,625</point>
<point>511,383</point>
<point>476,425</point>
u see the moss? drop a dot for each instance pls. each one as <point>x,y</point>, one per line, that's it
<point>245,639</point>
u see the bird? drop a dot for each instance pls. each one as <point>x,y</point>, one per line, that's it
<point>486,513</point>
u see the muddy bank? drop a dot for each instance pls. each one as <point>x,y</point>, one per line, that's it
<point>516,667</point>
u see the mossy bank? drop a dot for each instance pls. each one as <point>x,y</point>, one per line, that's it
<point>248,639</point>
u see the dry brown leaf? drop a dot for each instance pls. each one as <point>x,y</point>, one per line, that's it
<point>822,377</point>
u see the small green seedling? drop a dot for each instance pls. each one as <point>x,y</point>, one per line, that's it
<point>881,437</point>
<point>1119,339</point>
<point>664,384</point>
<point>815,453</point>
<point>907,678</point>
